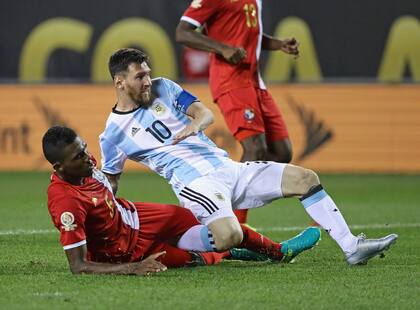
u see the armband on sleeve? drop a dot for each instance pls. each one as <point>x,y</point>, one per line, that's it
<point>184,100</point>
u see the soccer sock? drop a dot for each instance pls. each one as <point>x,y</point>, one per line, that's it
<point>197,238</point>
<point>319,205</point>
<point>261,244</point>
<point>213,258</point>
<point>176,257</point>
<point>242,215</point>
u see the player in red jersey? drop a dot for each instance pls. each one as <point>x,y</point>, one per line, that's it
<point>104,234</point>
<point>235,38</point>
<point>97,230</point>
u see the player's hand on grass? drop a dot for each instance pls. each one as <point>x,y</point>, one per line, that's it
<point>150,265</point>
<point>290,46</point>
<point>234,55</point>
<point>190,130</point>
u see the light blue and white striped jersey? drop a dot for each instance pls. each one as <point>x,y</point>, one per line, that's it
<point>145,136</point>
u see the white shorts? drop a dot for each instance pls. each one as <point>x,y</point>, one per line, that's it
<point>233,186</point>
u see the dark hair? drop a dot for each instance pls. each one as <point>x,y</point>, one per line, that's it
<point>54,140</point>
<point>121,59</point>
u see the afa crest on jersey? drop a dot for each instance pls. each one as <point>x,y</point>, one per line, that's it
<point>219,196</point>
<point>159,108</point>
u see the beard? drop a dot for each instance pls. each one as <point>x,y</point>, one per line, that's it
<point>145,100</point>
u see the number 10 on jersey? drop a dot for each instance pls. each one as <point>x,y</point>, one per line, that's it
<point>159,131</point>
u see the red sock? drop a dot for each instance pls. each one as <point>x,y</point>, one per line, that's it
<point>213,258</point>
<point>261,244</point>
<point>242,215</point>
<point>175,257</point>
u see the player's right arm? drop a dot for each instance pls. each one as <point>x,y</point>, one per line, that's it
<point>79,264</point>
<point>288,45</point>
<point>186,34</point>
<point>114,181</point>
<point>201,118</point>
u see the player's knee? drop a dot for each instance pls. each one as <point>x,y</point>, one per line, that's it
<point>309,179</point>
<point>228,239</point>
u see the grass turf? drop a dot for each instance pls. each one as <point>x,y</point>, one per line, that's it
<point>34,272</point>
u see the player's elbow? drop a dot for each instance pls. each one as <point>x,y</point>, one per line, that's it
<point>180,35</point>
<point>183,33</point>
<point>210,116</point>
<point>114,186</point>
<point>78,267</point>
<point>113,180</point>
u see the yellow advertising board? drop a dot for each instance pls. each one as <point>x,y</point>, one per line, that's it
<point>333,128</point>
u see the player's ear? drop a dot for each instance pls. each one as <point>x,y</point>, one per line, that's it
<point>118,82</point>
<point>58,167</point>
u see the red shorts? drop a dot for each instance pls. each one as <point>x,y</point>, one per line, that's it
<point>160,227</point>
<point>251,111</point>
<point>160,224</point>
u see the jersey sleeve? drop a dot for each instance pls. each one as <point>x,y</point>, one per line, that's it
<point>69,217</point>
<point>200,11</point>
<point>182,99</point>
<point>113,159</point>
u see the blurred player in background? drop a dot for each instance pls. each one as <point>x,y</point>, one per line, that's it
<point>234,37</point>
<point>159,124</point>
<point>104,234</point>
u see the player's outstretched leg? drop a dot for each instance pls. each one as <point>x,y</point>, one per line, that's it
<point>297,181</point>
<point>197,239</point>
<point>285,251</point>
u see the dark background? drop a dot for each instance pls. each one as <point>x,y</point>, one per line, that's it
<point>349,36</point>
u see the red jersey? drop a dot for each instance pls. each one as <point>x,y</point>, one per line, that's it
<point>90,214</point>
<point>236,23</point>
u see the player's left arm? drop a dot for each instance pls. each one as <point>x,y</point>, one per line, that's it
<point>77,258</point>
<point>201,118</point>
<point>113,160</point>
<point>287,45</point>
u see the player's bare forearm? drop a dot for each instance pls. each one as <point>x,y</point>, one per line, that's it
<point>271,43</point>
<point>201,118</point>
<point>137,268</point>
<point>113,180</point>
<point>79,264</point>
<point>288,45</point>
<point>186,34</point>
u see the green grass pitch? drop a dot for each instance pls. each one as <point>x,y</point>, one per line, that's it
<point>34,272</point>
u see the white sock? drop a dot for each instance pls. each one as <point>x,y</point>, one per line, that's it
<point>319,205</point>
<point>197,238</point>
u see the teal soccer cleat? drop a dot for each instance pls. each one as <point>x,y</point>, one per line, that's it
<point>247,255</point>
<point>306,240</point>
